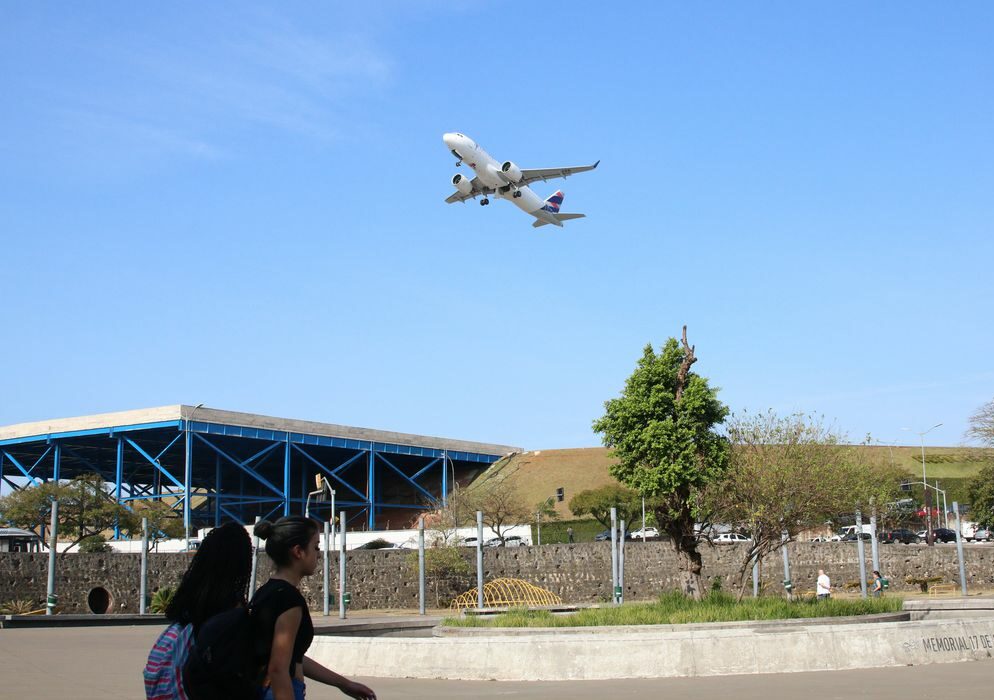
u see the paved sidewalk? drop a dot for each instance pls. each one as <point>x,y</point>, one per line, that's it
<point>89,663</point>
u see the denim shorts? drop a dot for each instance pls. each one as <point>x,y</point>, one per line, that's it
<point>298,691</point>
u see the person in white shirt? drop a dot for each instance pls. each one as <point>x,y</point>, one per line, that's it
<point>824,586</point>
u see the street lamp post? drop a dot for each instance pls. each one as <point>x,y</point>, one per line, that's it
<point>928,510</point>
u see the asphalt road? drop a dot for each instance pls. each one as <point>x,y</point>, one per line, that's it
<point>92,663</point>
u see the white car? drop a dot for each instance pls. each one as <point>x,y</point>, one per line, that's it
<point>650,533</point>
<point>509,541</point>
<point>730,538</point>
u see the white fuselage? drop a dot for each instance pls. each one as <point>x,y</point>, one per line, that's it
<point>488,170</point>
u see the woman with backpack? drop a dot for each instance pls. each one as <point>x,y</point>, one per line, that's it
<point>292,543</point>
<point>215,581</point>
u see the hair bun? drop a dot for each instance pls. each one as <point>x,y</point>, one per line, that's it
<point>263,529</point>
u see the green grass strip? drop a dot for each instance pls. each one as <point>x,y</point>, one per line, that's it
<point>675,609</point>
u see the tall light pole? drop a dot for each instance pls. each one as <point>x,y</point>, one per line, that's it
<point>928,509</point>
<point>188,477</point>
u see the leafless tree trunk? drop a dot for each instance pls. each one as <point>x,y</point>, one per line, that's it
<point>688,360</point>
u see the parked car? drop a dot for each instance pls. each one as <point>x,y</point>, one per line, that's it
<point>982,535</point>
<point>650,533</point>
<point>944,534</point>
<point>730,538</point>
<point>902,535</point>
<point>941,534</point>
<point>469,542</point>
<point>509,541</point>
<point>851,536</point>
<point>605,536</point>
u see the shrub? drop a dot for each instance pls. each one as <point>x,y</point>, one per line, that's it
<point>17,607</point>
<point>442,565</point>
<point>94,544</point>
<point>923,582</point>
<point>161,599</point>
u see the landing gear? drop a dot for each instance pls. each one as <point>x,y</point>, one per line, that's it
<point>484,202</point>
<point>517,193</point>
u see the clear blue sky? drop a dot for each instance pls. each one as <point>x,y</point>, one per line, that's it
<point>242,205</point>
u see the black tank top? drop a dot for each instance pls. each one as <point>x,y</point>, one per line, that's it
<point>273,599</point>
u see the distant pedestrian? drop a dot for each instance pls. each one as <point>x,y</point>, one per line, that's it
<point>878,584</point>
<point>292,543</point>
<point>823,586</point>
<point>569,534</point>
<point>216,581</point>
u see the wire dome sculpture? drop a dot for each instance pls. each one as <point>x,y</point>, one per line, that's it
<point>506,593</point>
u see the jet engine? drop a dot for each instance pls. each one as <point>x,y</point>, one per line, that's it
<point>461,183</point>
<point>511,171</point>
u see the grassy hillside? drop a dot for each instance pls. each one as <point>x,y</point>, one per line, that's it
<point>538,474</point>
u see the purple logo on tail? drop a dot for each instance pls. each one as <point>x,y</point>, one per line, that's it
<point>553,203</point>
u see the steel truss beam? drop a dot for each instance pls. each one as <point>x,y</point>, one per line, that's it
<point>28,472</point>
<point>248,489</point>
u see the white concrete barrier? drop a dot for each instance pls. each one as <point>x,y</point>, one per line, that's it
<point>553,655</point>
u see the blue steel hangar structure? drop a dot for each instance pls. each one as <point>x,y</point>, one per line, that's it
<point>215,465</point>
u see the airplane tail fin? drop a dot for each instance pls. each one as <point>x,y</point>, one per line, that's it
<point>553,202</point>
<point>558,217</point>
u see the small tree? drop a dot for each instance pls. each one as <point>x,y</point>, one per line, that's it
<point>547,508</point>
<point>163,521</point>
<point>788,474</point>
<point>502,506</point>
<point>599,502</point>
<point>85,508</point>
<point>662,429</point>
<point>982,424</point>
<point>445,519</point>
<point>442,565</point>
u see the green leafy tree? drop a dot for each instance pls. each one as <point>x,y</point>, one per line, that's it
<point>981,493</point>
<point>599,502</point>
<point>163,521</point>
<point>981,488</point>
<point>85,508</point>
<point>789,474</point>
<point>662,430</point>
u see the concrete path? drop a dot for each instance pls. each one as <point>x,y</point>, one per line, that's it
<point>105,663</point>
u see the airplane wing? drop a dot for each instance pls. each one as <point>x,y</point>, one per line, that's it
<point>543,174</point>
<point>478,189</point>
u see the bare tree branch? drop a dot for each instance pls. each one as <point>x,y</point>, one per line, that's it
<point>688,360</point>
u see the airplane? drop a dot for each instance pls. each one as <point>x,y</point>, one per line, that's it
<point>507,181</point>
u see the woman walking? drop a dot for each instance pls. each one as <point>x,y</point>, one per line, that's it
<point>292,543</point>
<point>878,584</point>
<point>216,580</point>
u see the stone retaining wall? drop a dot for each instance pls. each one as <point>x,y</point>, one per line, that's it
<point>579,573</point>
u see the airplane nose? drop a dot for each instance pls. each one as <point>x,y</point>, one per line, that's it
<point>449,139</point>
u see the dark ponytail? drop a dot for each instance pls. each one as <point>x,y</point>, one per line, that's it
<point>217,578</point>
<point>285,534</point>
